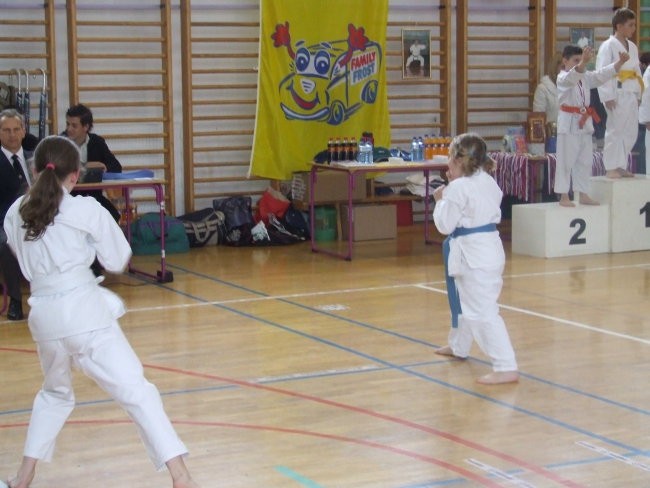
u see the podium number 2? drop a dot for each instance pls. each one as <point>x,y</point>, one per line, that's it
<point>576,238</point>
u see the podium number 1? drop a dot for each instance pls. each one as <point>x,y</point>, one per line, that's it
<point>646,209</point>
<point>576,238</point>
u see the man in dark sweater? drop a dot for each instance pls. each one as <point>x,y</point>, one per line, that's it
<point>94,154</point>
<point>94,150</point>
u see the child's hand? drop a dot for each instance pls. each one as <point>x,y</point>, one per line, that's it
<point>623,57</point>
<point>437,193</point>
<point>587,54</point>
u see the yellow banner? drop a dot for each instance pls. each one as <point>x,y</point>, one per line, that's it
<point>322,74</point>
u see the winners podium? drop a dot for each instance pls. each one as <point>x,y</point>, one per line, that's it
<point>620,223</point>
<point>629,210</point>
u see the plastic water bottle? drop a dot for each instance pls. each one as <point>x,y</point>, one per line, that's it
<point>362,153</point>
<point>420,149</point>
<point>414,149</point>
<point>370,157</point>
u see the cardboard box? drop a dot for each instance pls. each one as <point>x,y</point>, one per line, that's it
<point>331,187</point>
<point>370,221</point>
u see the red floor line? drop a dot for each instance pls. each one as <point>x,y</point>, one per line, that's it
<point>395,450</point>
<point>407,423</point>
<point>451,437</point>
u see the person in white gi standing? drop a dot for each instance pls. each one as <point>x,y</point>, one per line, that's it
<point>574,124</point>
<point>468,210</point>
<point>72,319</point>
<point>644,111</point>
<point>620,95</point>
<point>545,96</point>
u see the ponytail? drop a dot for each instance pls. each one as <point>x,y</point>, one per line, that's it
<point>54,159</point>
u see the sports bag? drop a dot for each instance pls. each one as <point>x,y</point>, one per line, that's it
<point>146,235</point>
<point>238,211</point>
<point>204,227</point>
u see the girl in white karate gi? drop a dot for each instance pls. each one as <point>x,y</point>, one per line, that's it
<point>621,95</point>
<point>468,210</point>
<point>574,124</point>
<point>73,320</point>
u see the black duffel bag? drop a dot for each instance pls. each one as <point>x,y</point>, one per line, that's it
<point>206,226</point>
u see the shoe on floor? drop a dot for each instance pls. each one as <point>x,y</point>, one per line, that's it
<point>15,310</point>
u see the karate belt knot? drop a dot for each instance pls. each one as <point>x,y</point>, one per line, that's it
<point>628,74</point>
<point>585,111</point>
<point>452,291</point>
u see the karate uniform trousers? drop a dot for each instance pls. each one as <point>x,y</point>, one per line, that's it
<point>621,131</point>
<point>480,320</point>
<point>105,356</point>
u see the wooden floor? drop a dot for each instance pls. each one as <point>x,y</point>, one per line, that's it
<point>285,368</point>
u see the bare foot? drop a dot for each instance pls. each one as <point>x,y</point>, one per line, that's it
<point>499,377</point>
<point>587,200</point>
<point>625,173</point>
<point>612,173</point>
<point>181,477</point>
<point>25,474</point>
<point>185,483</point>
<point>565,202</point>
<point>446,351</point>
<point>20,482</point>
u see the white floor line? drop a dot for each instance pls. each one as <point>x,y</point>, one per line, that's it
<point>275,297</point>
<point>557,319</point>
<point>426,286</point>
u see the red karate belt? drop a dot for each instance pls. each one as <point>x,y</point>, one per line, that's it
<point>585,111</point>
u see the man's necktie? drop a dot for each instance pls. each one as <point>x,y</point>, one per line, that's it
<point>20,173</point>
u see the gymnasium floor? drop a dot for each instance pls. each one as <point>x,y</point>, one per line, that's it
<point>284,368</point>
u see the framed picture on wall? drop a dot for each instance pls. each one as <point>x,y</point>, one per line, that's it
<point>416,53</point>
<point>582,36</point>
<point>536,127</point>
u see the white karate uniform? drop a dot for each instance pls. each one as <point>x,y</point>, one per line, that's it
<point>622,129</point>
<point>73,320</point>
<point>574,143</point>
<point>644,116</point>
<point>476,262</point>
<point>416,54</point>
<point>545,99</point>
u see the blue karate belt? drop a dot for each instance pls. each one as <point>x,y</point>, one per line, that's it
<point>452,291</point>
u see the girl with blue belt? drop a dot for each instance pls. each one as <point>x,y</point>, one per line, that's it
<point>467,210</point>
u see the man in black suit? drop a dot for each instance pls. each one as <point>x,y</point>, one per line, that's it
<point>15,179</point>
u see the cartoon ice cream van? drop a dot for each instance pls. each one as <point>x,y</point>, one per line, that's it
<point>329,80</point>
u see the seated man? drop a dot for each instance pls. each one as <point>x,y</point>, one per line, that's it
<point>93,148</point>
<point>15,179</point>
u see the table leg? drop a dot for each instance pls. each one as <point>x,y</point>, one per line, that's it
<point>312,213</point>
<point>427,191</point>
<point>162,276</point>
